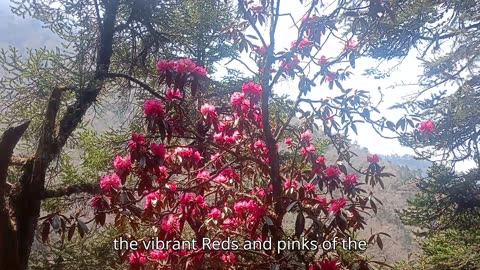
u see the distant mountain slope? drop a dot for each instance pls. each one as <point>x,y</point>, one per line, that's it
<point>418,166</point>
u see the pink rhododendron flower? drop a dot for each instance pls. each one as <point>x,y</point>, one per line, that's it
<point>350,45</point>
<point>332,171</point>
<point>373,158</point>
<point>306,150</point>
<point>110,181</point>
<point>203,175</point>
<point>170,223</point>
<point>209,111</point>
<point>335,205</point>
<point>426,126</point>
<point>215,213</point>
<point>152,198</point>
<point>173,94</point>
<point>202,71</point>
<point>164,65</point>
<point>196,157</point>
<point>306,135</point>
<point>153,107</point>
<point>158,254</point>
<point>237,98</point>
<point>158,149</point>
<point>122,162</point>
<point>185,65</point>
<point>200,201</point>
<point>251,88</point>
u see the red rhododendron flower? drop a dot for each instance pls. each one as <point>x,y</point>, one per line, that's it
<point>173,94</point>
<point>158,149</point>
<point>310,187</point>
<point>110,181</point>
<point>215,213</point>
<point>288,140</point>
<point>320,160</point>
<point>138,139</point>
<point>158,254</point>
<point>122,162</point>
<point>251,88</point>
<point>306,150</point>
<point>306,135</point>
<point>332,171</point>
<point>153,107</point>
<point>335,205</point>
<point>323,60</point>
<point>350,179</point>
<point>136,259</point>
<point>170,223</point>
<point>373,158</point>
<point>426,126</point>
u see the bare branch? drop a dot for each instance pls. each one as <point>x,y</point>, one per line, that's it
<point>91,188</point>
<point>140,83</point>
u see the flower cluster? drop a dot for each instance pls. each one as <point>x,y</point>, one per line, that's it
<point>426,126</point>
<point>185,65</point>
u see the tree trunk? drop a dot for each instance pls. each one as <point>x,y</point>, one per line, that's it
<point>9,257</point>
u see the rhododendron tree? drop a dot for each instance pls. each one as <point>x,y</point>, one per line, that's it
<point>218,171</point>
